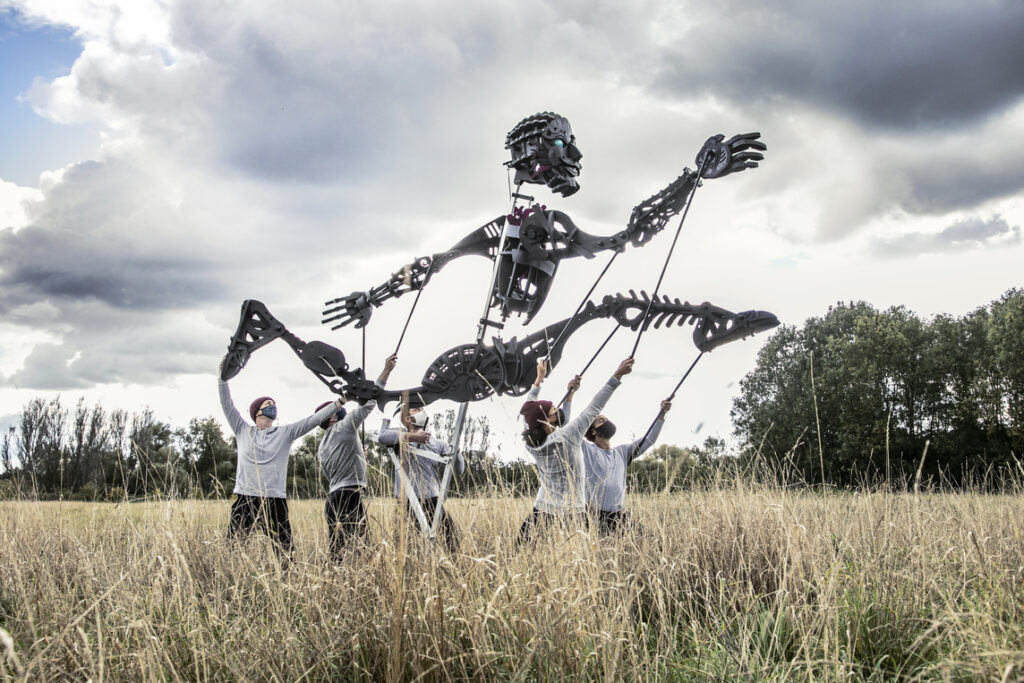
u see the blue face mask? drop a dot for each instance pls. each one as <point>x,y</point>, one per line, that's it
<point>270,412</point>
<point>340,414</point>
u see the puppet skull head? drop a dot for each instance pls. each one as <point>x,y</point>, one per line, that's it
<point>544,152</point>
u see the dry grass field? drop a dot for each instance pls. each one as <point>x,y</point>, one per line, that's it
<point>738,583</point>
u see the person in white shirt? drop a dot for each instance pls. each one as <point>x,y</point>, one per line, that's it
<point>262,467</point>
<point>606,468</point>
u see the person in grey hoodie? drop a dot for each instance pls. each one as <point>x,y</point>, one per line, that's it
<point>262,468</point>
<point>557,452</point>
<point>606,468</point>
<point>344,464</point>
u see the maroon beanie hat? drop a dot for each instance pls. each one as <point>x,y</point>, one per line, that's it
<point>535,412</point>
<point>254,407</point>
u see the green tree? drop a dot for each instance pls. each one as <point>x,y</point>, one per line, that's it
<point>885,383</point>
<point>1006,335</point>
<point>211,457</point>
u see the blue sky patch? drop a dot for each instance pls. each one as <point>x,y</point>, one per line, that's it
<point>32,144</point>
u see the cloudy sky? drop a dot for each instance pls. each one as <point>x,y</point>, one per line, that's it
<point>161,161</point>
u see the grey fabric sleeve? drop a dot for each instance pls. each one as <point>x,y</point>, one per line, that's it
<point>388,437</point>
<point>632,451</point>
<point>234,418</point>
<point>576,428</point>
<point>297,429</point>
<point>356,417</point>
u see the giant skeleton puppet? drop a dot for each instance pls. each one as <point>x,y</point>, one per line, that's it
<point>525,248</point>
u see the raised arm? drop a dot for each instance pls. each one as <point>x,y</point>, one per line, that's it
<point>577,427</point>
<point>231,413</point>
<point>388,437</point>
<point>358,306</point>
<point>632,451</point>
<point>392,437</point>
<point>571,389</point>
<point>357,416</point>
<point>542,372</point>
<point>296,429</point>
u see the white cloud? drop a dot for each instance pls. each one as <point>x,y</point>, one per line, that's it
<point>13,201</point>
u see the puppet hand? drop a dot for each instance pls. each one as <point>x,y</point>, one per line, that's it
<point>734,155</point>
<point>354,308</point>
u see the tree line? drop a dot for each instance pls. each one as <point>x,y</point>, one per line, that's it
<point>89,453</point>
<point>863,397</point>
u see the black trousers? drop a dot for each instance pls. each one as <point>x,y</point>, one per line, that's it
<point>445,528</point>
<point>270,515</point>
<point>614,522</point>
<point>346,518</point>
<point>538,522</point>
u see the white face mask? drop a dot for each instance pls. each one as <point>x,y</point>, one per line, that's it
<point>419,418</point>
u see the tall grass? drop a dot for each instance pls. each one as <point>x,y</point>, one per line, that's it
<point>737,582</point>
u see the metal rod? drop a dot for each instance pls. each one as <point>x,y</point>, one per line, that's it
<point>654,296</point>
<point>687,374</point>
<point>586,297</point>
<point>415,301</point>
<point>480,333</point>
<point>670,397</point>
<point>446,477</point>
<point>362,425</point>
<point>592,358</point>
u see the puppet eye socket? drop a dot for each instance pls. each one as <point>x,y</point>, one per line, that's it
<point>560,142</point>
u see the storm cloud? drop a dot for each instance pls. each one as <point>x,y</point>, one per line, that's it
<point>969,233</point>
<point>89,239</point>
<point>895,66</point>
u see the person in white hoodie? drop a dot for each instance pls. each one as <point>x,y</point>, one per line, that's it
<point>557,452</point>
<point>262,468</point>
<point>606,468</point>
<point>344,464</point>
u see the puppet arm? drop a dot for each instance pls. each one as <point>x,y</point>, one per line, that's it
<point>358,306</point>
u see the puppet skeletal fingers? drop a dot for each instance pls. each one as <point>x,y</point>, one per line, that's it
<point>356,308</point>
<point>720,158</point>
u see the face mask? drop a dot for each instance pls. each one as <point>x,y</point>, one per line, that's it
<point>560,417</point>
<point>269,412</point>
<point>341,413</point>
<point>606,430</point>
<point>419,419</point>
